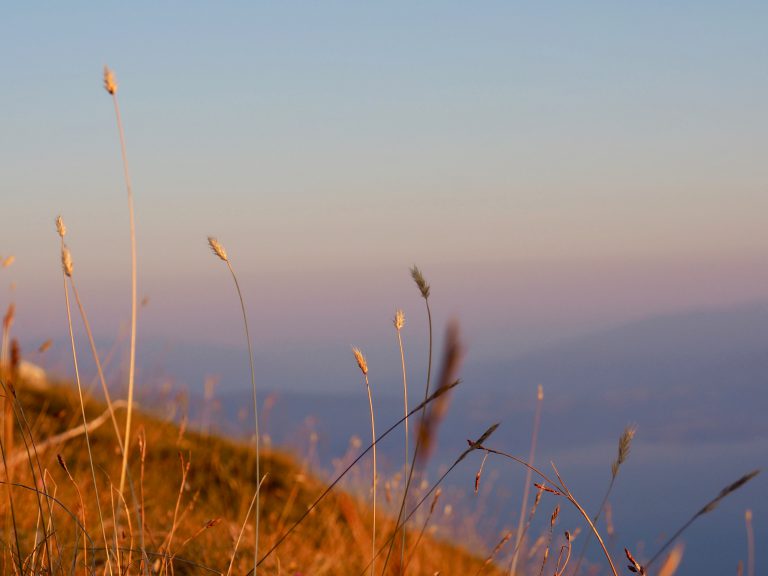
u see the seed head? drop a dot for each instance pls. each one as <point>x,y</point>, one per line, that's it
<point>110,84</point>
<point>418,277</point>
<point>555,514</point>
<point>60,227</point>
<point>360,360</point>
<point>625,443</point>
<point>8,261</point>
<point>66,261</point>
<point>399,320</point>
<point>217,248</point>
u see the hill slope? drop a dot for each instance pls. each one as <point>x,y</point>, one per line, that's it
<point>190,494</point>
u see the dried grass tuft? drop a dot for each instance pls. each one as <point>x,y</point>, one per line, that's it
<point>361,361</point>
<point>110,84</point>
<point>399,320</point>
<point>60,227</point>
<point>625,443</point>
<point>418,277</point>
<point>217,248</point>
<point>66,261</point>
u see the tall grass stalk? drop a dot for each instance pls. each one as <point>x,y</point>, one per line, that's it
<point>750,543</point>
<point>527,485</point>
<point>38,476</point>
<point>67,267</point>
<point>439,393</point>
<point>110,85</point>
<point>424,525</point>
<point>560,489</point>
<point>63,465</point>
<point>8,486</point>
<point>242,529</point>
<point>424,290</point>
<point>62,231</point>
<point>219,251</point>
<point>473,445</point>
<point>363,364</point>
<point>625,444</point>
<point>399,322</point>
<point>708,507</point>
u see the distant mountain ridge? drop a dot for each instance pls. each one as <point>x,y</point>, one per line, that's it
<point>693,376</point>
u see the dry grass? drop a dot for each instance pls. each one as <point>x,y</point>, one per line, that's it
<point>193,512</point>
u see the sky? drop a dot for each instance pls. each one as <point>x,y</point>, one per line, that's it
<point>553,168</point>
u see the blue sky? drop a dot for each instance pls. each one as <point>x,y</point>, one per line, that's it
<point>552,167</point>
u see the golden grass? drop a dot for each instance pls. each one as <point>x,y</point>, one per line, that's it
<point>193,512</point>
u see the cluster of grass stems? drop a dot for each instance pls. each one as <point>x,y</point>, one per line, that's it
<point>390,553</point>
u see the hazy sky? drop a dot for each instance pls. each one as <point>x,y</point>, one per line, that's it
<point>552,167</point>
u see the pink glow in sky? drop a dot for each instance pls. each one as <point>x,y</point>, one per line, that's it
<point>550,171</point>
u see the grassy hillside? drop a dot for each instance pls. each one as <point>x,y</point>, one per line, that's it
<point>192,492</point>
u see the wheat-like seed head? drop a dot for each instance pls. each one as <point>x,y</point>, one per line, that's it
<point>8,261</point>
<point>110,84</point>
<point>60,227</point>
<point>66,261</point>
<point>553,518</point>
<point>399,319</point>
<point>625,443</point>
<point>418,277</point>
<point>217,248</point>
<point>360,360</point>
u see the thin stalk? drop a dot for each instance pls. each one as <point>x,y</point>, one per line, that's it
<point>67,273</point>
<point>30,448</point>
<point>527,485</point>
<point>399,322</point>
<point>255,417</point>
<point>476,445</point>
<point>562,490</point>
<point>373,480</point>
<point>423,528</point>
<point>504,539</point>
<point>625,443</point>
<point>111,87</point>
<point>750,543</point>
<point>219,251</point>
<point>363,364</point>
<point>82,508</point>
<point>424,289</point>
<point>242,529</point>
<point>49,498</point>
<point>96,359</point>
<point>10,503</point>
<point>711,505</point>
<point>439,392</point>
<point>184,473</point>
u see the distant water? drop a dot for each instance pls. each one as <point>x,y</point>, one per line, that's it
<point>696,386</point>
